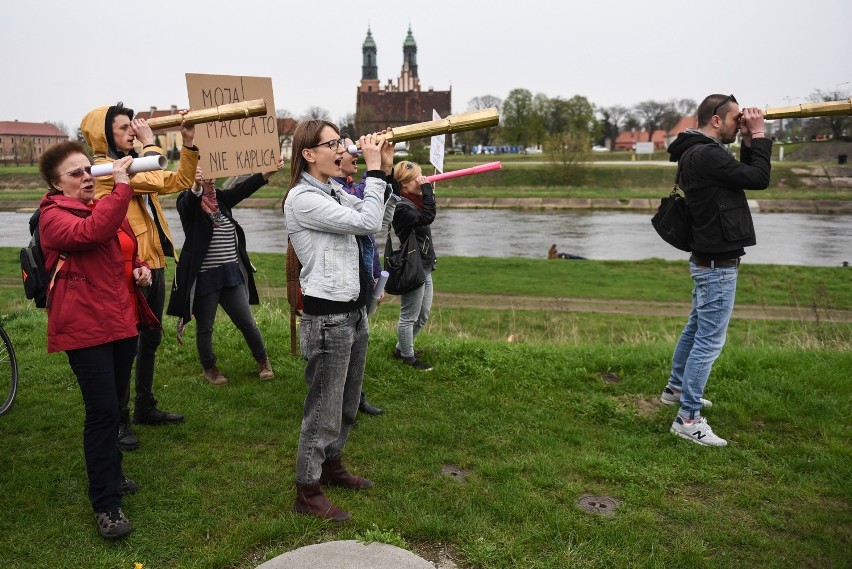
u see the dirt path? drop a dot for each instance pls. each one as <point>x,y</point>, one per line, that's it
<point>635,307</point>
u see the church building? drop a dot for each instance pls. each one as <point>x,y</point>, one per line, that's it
<point>399,103</point>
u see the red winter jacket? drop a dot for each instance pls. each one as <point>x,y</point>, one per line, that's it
<point>89,304</point>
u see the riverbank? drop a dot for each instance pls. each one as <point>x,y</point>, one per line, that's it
<point>543,204</point>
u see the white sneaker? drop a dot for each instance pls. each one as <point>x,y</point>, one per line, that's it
<point>671,397</point>
<point>698,431</point>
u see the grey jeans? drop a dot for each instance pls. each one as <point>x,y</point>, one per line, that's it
<point>414,310</point>
<point>335,347</point>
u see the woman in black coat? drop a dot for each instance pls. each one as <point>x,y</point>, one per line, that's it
<point>214,270</point>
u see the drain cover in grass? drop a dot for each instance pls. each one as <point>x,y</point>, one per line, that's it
<point>603,505</point>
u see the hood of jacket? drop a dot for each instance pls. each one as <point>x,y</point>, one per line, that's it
<point>687,139</point>
<point>96,127</point>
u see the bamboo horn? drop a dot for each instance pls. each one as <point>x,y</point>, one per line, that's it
<point>241,110</point>
<point>803,110</point>
<point>448,125</point>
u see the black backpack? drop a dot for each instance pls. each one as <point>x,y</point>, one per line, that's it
<point>672,220</point>
<point>34,273</point>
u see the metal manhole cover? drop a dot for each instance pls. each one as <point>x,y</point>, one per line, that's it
<point>603,505</point>
<point>453,471</point>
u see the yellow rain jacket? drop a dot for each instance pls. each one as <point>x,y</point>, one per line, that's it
<point>148,222</point>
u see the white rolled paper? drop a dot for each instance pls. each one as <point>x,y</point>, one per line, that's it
<point>144,164</point>
<point>372,302</point>
<point>396,148</point>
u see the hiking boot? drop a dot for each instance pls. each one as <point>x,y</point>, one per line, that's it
<point>698,431</point>
<point>312,502</point>
<point>264,369</point>
<point>127,439</point>
<point>113,525</point>
<point>335,474</point>
<point>671,397</point>
<point>127,486</point>
<point>366,407</point>
<point>153,416</point>
<point>417,364</point>
<point>214,376</point>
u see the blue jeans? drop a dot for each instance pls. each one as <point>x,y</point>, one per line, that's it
<point>335,347</point>
<point>234,300</point>
<point>414,310</point>
<point>703,337</point>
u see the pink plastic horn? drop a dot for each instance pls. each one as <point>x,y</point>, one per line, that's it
<point>465,172</point>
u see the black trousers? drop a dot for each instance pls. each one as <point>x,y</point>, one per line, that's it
<point>149,341</point>
<point>103,372</point>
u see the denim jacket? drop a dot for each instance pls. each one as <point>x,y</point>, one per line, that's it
<point>323,234</point>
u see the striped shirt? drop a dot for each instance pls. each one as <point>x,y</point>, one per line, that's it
<point>223,244</point>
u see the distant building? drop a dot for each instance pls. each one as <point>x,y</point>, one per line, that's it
<point>286,129</point>
<point>627,140</point>
<point>400,103</point>
<point>25,142</point>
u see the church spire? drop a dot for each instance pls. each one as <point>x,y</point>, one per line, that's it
<point>369,67</point>
<point>409,54</point>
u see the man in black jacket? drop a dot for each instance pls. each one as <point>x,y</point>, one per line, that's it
<point>713,181</point>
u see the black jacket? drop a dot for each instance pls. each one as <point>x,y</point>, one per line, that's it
<point>407,218</point>
<point>713,181</point>
<point>198,229</point>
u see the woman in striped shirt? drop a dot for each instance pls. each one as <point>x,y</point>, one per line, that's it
<point>214,270</point>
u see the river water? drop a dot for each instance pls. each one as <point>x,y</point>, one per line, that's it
<point>782,238</point>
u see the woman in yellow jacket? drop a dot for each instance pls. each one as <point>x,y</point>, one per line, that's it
<point>110,132</point>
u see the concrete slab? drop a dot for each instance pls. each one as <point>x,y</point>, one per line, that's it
<point>833,206</point>
<point>349,554</point>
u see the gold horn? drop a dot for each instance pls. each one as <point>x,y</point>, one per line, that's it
<point>448,125</point>
<point>241,110</point>
<point>825,109</point>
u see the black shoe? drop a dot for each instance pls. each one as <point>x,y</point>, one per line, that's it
<point>127,439</point>
<point>114,524</point>
<point>419,365</point>
<point>127,486</point>
<point>154,416</point>
<point>368,408</point>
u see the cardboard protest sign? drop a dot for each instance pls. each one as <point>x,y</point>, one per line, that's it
<point>238,146</point>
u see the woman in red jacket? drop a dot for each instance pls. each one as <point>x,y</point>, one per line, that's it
<point>94,309</point>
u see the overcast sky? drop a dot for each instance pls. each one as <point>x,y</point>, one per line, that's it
<point>60,59</point>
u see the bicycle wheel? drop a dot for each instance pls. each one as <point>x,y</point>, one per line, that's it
<point>8,371</point>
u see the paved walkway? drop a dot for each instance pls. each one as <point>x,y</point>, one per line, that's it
<point>348,554</point>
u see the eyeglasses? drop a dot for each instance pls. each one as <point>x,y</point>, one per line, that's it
<point>78,172</point>
<point>332,144</point>
<point>725,101</point>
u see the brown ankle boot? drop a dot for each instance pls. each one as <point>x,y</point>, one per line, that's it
<point>335,474</point>
<point>311,501</point>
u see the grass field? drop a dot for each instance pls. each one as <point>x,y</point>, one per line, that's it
<point>567,410</point>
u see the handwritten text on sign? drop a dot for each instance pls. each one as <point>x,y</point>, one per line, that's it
<point>238,146</point>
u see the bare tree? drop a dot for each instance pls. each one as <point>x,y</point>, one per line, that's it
<point>283,114</point>
<point>837,125</point>
<point>317,113</point>
<point>656,115</point>
<point>613,121</point>
<point>483,136</point>
<point>61,126</point>
<point>685,107</point>
<point>346,124</point>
